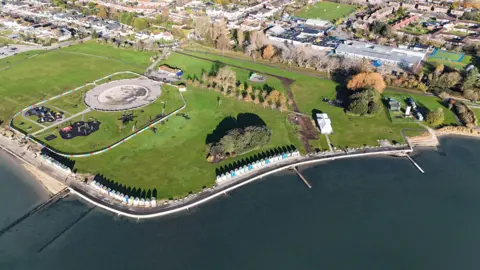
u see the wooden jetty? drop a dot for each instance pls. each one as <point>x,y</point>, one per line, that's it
<point>301,177</point>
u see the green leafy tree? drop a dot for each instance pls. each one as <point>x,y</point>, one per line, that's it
<point>470,79</point>
<point>436,117</point>
<point>140,23</point>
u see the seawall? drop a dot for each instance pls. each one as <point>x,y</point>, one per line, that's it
<point>222,190</point>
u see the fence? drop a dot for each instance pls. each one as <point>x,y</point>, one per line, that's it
<point>103,150</point>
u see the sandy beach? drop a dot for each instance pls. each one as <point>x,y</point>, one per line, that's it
<point>50,178</point>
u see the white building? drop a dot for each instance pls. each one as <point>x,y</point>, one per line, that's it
<point>317,23</point>
<point>384,54</point>
<point>324,123</point>
<point>163,36</point>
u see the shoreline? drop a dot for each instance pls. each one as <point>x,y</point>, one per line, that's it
<point>50,183</point>
<point>143,213</point>
<point>51,180</point>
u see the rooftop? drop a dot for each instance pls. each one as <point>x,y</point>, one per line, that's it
<point>379,52</point>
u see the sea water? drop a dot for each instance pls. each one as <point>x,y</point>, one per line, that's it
<point>363,213</point>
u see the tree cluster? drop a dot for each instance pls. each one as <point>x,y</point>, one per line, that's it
<point>238,141</point>
<point>366,100</point>
<point>466,116</point>
<point>473,15</point>
<point>470,88</point>
<point>435,117</point>
<point>225,80</point>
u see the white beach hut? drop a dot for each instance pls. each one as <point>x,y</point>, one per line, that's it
<point>153,202</point>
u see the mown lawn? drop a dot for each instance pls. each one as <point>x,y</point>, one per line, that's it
<point>111,127</point>
<point>427,103</point>
<point>326,11</point>
<point>7,61</point>
<point>49,74</point>
<point>126,55</point>
<point>173,160</point>
<point>308,93</point>
<point>194,67</point>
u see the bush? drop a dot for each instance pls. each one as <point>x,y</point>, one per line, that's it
<point>436,117</point>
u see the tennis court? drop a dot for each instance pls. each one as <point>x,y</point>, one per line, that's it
<point>448,56</point>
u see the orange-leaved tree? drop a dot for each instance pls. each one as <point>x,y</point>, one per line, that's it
<point>367,80</point>
<point>268,52</point>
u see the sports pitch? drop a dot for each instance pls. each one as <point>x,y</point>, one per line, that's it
<point>326,11</point>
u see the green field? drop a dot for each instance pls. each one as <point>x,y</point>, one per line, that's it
<point>194,67</point>
<point>414,30</point>
<point>426,103</point>
<point>111,128</point>
<point>326,11</point>
<point>308,92</point>
<point>450,59</point>
<point>128,56</point>
<point>173,160</point>
<point>49,74</point>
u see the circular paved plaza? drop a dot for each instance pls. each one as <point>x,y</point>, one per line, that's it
<point>123,95</point>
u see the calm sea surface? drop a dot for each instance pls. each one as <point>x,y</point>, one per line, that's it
<point>373,213</point>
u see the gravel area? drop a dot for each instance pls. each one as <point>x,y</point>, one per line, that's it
<point>123,95</point>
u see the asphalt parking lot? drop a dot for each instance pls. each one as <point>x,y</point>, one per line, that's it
<point>10,50</point>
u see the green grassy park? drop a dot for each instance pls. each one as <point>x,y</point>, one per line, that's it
<point>194,67</point>
<point>111,128</point>
<point>172,158</point>
<point>426,104</point>
<point>329,11</point>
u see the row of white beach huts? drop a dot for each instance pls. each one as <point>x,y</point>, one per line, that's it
<point>55,163</point>
<point>130,201</point>
<point>226,177</point>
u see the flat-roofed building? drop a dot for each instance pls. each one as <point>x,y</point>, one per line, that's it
<point>383,54</point>
<point>324,123</point>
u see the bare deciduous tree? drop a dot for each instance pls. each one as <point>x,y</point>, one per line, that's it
<point>240,39</point>
<point>223,43</point>
<point>226,78</point>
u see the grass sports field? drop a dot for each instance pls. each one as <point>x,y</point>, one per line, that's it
<point>326,11</point>
<point>451,59</point>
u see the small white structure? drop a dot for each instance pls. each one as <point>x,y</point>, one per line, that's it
<point>324,123</point>
<point>182,88</point>
<point>408,110</point>
<point>419,116</point>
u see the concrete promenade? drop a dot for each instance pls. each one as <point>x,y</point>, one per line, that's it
<point>85,192</point>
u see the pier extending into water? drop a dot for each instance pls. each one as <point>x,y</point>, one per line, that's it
<point>52,199</point>
<point>414,163</point>
<point>301,177</point>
